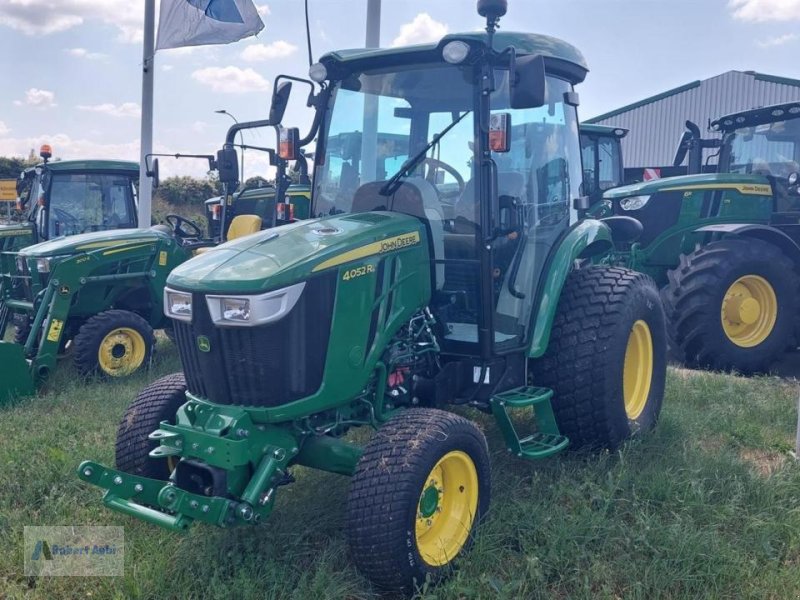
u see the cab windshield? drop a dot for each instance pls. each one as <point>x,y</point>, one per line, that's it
<point>771,149</point>
<point>84,202</point>
<point>380,119</point>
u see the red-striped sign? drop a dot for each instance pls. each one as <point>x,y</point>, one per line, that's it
<point>652,173</point>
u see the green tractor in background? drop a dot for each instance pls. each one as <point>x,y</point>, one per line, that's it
<point>100,293</point>
<point>724,247</point>
<point>406,294</point>
<point>603,168</point>
<point>69,197</point>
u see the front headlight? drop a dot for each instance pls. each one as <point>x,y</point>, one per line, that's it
<point>247,311</point>
<point>634,202</point>
<point>46,263</point>
<point>177,305</point>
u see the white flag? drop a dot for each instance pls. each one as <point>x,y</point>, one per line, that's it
<point>200,22</point>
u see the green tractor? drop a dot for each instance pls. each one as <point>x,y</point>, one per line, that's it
<point>724,246</point>
<point>100,293</point>
<point>603,168</point>
<point>445,284</point>
<point>68,197</point>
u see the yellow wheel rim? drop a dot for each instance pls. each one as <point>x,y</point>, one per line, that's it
<point>446,509</point>
<point>638,370</point>
<point>749,311</point>
<point>121,352</point>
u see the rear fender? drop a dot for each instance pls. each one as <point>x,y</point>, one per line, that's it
<point>765,233</point>
<point>588,238</point>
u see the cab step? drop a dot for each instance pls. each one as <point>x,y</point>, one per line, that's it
<point>547,440</point>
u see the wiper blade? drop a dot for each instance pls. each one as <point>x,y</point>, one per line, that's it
<point>391,185</point>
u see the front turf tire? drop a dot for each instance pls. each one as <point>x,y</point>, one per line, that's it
<point>606,360</point>
<point>419,491</point>
<point>710,284</point>
<point>114,343</point>
<point>158,402</point>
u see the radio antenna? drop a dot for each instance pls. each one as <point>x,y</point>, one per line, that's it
<point>308,38</point>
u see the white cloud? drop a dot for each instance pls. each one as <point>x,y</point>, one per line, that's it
<point>4,130</point>
<point>231,80</point>
<point>84,53</point>
<point>42,17</point>
<point>759,11</point>
<point>262,52</point>
<point>421,30</point>
<point>38,99</point>
<point>126,109</point>
<point>779,40</point>
<point>66,147</point>
<point>263,10</point>
<point>167,68</point>
<point>199,126</point>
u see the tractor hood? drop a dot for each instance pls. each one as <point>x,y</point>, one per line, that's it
<point>83,242</point>
<point>748,183</point>
<point>285,255</point>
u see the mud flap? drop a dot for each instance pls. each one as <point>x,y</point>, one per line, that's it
<point>15,375</point>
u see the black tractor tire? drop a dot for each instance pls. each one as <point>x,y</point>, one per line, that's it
<point>114,343</point>
<point>21,331</point>
<point>603,313</point>
<point>158,402</point>
<point>395,475</point>
<point>698,288</point>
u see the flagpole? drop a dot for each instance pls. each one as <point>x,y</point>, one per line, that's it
<point>148,75</point>
<point>369,139</point>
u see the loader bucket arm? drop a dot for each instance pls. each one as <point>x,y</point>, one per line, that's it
<point>23,369</point>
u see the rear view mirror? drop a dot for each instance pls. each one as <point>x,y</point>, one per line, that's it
<point>228,166</point>
<point>153,173</point>
<point>280,100</point>
<point>528,86</point>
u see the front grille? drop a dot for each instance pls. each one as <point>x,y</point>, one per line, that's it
<point>658,215</point>
<point>262,366</point>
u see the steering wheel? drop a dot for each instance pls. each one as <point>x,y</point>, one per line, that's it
<point>66,218</point>
<point>184,228</point>
<point>435,163</point>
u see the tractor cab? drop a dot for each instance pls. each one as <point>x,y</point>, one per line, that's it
<point>601,150</point>
<point>403,136</point>
<point>765,143</point>
<point>78,196</point>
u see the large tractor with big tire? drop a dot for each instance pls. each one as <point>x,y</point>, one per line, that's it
<point>442,285</point>
<point>724,247</point>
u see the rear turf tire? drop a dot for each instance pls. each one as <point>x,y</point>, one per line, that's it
<point>419,461</point>
<point>700,298</point>
<point>158,402</point>
<point>606,360</point>
<point>114,343</point>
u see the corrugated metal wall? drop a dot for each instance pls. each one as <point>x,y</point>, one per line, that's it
<point>655,127</point>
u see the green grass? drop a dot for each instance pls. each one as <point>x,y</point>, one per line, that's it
<point>706,506</point>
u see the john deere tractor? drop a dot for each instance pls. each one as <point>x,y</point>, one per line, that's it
<point>724,246</point>
<point>446,283</point>
<point>68,197</point>
<point>101,293</point>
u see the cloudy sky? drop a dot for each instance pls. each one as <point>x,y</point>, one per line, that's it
<point>72,68</point>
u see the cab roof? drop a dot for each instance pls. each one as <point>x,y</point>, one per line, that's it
<point>757,116</point>
<point>92,165</point>
<point>604,130</point>
<point>559,52</point>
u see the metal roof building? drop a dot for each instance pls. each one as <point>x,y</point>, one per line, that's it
<point>656,123</point>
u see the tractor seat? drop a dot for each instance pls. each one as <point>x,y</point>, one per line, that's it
<point>241,226</point>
